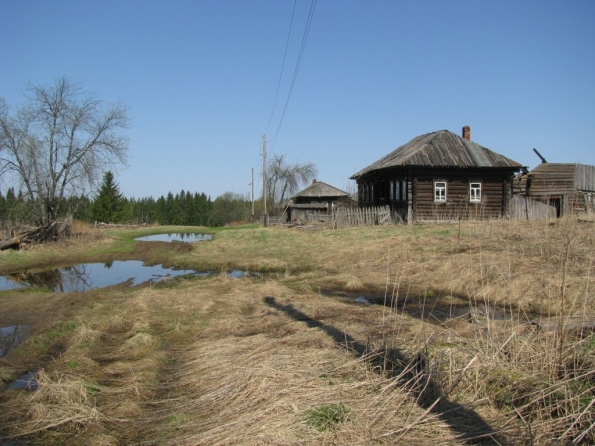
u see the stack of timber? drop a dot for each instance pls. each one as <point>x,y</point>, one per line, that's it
<point>52,231</point>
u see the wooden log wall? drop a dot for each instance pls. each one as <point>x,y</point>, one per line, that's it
<point>457,203</point>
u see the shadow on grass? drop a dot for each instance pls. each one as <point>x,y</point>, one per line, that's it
<point>471,428</point>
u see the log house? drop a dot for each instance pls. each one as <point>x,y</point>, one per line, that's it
<point>439,176</point>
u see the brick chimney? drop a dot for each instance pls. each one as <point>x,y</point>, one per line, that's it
<point>467,133</point>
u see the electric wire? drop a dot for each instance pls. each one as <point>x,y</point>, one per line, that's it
<point>297,67</point>
<point>282,67</point>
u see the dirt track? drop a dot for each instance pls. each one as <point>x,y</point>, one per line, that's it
<point>39,309</point>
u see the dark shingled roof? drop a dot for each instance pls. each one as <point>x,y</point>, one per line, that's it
<point>319,189</point>
<point>439,149</point>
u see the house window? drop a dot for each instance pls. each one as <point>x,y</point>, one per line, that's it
<point>371,190</point>
<point>397,190</point>
<point>439,191</point>
<point>392,190</point>
<point>403,190</point>
<point>475,192</point>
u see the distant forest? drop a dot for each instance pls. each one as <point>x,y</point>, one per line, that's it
<point>184,208</point>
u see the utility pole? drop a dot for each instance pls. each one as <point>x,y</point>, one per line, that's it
<point>264,180</point>
<point>252,196</point>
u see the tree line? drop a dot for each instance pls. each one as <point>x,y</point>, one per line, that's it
<point>61,141</point>
<point>109,206</point>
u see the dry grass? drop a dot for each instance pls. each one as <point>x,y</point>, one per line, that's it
<point>226,361</point>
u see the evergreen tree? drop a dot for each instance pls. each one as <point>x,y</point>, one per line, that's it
<point>2,206</point>
<point>108,204</point>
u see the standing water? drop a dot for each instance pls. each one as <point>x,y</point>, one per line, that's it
<point>180,237</point>
<point>88,276</point>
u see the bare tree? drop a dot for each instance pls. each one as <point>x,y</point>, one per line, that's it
<point>284,180</point>
<point>59,142</point>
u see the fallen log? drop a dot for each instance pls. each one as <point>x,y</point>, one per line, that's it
<point>52,231</point>
<point>12,243</point>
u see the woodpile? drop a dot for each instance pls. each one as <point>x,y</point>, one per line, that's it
<point>50,232</point>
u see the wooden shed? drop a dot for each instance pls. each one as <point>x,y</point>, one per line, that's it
<point>568,188</point>
<point>317,199</point>
<point>439,176</point>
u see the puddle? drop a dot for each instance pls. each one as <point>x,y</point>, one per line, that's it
<point>12,336</point>
<point>238,274</point>
<point>437,310</point>
<point>89,276</point>
<point>7,284</point>
<point>25,382</point>
<point>179,237</point>
<point>362,300</point>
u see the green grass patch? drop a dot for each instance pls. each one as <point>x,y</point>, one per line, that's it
<point>74,364</point>
<point>92,388</point>
<point>326,417</point>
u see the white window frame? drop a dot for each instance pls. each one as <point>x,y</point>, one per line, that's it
<point>440,191</point>
<point>475,191</point>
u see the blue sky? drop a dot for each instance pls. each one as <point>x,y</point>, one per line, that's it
<point>200,77</point>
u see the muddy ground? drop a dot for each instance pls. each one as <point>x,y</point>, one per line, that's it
<point>42,309</point>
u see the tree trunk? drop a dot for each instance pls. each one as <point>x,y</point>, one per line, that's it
<point>12,243</point>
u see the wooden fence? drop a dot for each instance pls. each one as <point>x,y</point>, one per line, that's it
<point>343,218</point>
<point>366,216</point>
<point>271,221</point>
<point>524,208</point>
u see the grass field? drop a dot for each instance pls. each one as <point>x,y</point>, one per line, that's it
<point>446,355</point>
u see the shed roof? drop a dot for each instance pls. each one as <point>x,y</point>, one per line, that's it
<point>318,189</point>
<point>563,176</point>
<point>440,149</point>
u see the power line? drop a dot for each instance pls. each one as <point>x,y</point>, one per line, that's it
<point>297,67</point>
<point>282,66</point>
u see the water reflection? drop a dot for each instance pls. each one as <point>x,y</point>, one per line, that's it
<point>28,381</point>
<point>12,336</point>
<point>88,276</point>
<point>180,236</point>
<point>238,274</point>
<point>8,284</point>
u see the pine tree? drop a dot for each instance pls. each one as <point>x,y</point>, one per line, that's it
<point>108,204</point>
